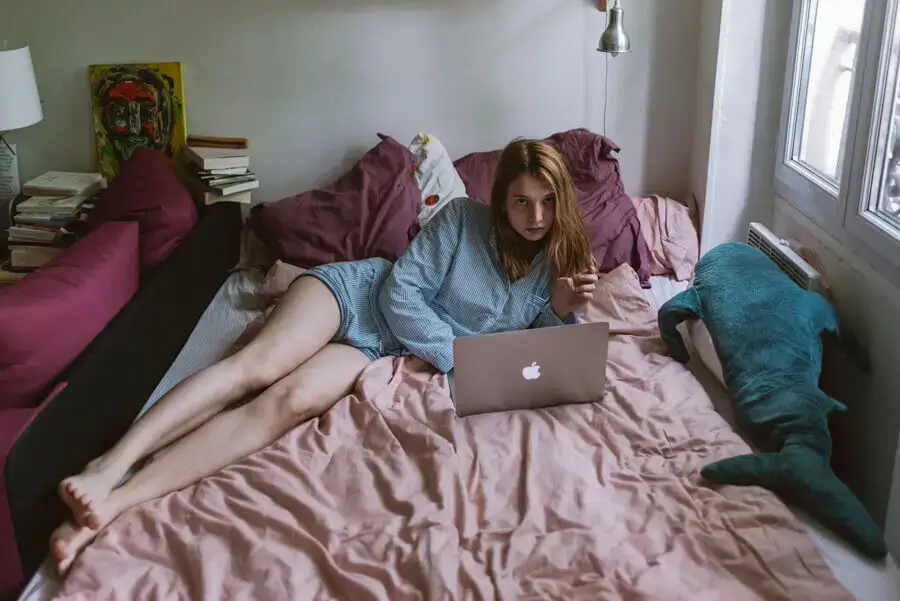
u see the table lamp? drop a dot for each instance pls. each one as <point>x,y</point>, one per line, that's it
<point>20,105</point>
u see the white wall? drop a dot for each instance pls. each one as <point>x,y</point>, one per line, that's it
<point>708,76</point>
<point>866,436</point>
<point>310,82</point>
<point>741,74</point>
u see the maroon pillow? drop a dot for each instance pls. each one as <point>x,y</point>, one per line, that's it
<point>49,318</point>
<point>147,190</point>
<point>477,172</point>
<point>609,215</point>
<point>371,211</point>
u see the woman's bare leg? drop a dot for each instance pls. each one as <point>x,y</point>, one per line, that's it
<point>305,320</point>
<point>307,392</point>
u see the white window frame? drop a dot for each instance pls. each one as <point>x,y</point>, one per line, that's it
<point>842,211</point>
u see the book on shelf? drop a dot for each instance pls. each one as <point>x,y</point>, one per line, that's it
<point>64,183</point>
<point>42,226</point>
<point>218,180</point>
<point>216,142</point>
<point>41,219</point>
<point>235,187</point>
<point>8,277</point>
<point>31,256</point>
<point>68,206</point>
<point>217,158</point>
<point>220,174</point>
<point>211,198</point>
<point>40,234</point>
<point>226,171</point>
<point>205,195</point>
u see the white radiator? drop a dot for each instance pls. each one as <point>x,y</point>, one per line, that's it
<point>759,236</point>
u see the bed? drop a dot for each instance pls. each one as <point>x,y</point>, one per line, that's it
<point>142,572</point>
<point>391,496</point>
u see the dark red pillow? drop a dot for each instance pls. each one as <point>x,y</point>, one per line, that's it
<point>50,317</point>
<point>371,211</point>
<point>609,215</point>
<point>477,172</point>
<point>147,190</point>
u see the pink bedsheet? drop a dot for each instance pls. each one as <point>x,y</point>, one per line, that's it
<point>391,496</point>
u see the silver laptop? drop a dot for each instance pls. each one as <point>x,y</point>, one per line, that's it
<point>530,369</point>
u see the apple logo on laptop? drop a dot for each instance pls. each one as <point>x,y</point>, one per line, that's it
<point>531,372</point>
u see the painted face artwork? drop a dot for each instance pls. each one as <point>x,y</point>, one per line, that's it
<point>136,106</point>
<point>136,111</point>
<point>131,109</point>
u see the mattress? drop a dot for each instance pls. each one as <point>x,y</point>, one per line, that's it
<point>232,309</point>
<point>235,306</point>
<point>662,288</point>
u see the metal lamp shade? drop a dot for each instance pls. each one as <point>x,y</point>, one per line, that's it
<point>614,40</point>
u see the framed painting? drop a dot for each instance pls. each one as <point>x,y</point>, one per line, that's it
<point>137,105</point>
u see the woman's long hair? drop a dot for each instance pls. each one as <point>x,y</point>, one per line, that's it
<point>568,249</point>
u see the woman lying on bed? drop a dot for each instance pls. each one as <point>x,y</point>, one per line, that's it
<point>474,269</point>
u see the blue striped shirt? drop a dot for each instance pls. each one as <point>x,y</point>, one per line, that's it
<point>450,283</point>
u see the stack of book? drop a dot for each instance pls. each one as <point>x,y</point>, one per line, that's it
<point>219,174</point>
<point>46,216</point>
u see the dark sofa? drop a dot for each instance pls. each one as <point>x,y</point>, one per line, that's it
<point>104,390</point>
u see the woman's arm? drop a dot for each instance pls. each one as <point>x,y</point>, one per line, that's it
<point>405,298</point>
<point>567,295</point>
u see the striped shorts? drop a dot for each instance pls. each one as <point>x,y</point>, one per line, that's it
<point>355,285</point>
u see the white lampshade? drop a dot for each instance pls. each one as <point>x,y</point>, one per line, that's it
<point>20,105</point>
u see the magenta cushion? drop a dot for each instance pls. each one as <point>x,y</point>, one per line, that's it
<point>371,211</point>
<point>147,190</point>
<point>609,215</point>
<point>48,318</point>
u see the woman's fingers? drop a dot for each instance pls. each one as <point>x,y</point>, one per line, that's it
<point>585,288</point>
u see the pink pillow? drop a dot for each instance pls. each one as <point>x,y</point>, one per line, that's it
<point>371,211</point>
<point>619,301</point>
<point>50,317</point>
<point>279,278</point>
<point>147,190</point>
<point>609,216</point>
<point>672,242</point>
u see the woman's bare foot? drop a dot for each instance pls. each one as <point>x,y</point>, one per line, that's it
<point>66,543</point>
<point>88,491</point>
<point>70,539</point>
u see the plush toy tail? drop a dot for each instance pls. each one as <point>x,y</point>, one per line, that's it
<point>804,477</point>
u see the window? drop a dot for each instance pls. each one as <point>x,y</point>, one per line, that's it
<point>839,155</point>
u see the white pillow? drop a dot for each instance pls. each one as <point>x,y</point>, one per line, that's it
<point>704,348</point>
<point>435,175</point>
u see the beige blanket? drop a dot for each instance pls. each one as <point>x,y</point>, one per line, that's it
<point>391,496</point>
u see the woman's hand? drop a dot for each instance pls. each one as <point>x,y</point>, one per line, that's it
<point>572,294</point>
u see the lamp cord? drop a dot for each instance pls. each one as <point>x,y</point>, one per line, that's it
<point>606,76</point>
<point>605,92</point>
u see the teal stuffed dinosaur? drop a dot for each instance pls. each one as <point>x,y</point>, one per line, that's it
<point>767,332</point>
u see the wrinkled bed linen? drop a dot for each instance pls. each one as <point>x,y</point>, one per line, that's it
<point>391,496</point>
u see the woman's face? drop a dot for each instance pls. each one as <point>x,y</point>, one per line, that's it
<point>531,207</point>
